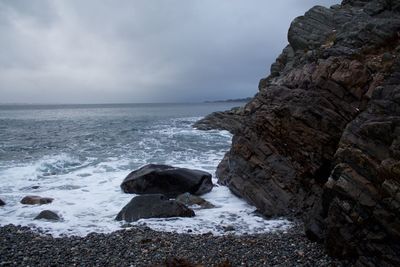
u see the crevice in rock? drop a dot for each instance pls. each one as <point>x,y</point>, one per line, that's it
<point>322,174</point>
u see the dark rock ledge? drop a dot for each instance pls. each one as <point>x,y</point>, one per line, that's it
<point>229,120</point>
<point>321,139</point>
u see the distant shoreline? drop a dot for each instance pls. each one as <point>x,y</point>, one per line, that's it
<point>230,100</point>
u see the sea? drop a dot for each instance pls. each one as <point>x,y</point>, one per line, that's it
<point>80,154</point>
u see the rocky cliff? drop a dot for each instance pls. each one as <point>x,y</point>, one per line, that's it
<point>321,139</point>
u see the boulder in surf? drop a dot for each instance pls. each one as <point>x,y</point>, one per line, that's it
<point>167,180</point>
<point>153,206</point>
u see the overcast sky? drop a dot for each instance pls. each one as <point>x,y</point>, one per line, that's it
<point>107,51</point>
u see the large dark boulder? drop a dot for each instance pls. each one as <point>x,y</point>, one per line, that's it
<point>153,206</point>
<point>2,203</point>
<point>167,180</point>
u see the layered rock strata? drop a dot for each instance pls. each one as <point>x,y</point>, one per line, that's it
<point>321,137</point>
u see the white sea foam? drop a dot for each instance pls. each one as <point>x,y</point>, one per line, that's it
<point>87,192</point>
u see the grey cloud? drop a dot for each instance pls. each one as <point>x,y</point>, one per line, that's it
<point>139,51</point>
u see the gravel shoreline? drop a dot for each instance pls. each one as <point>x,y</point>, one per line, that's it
<point>141,246</point>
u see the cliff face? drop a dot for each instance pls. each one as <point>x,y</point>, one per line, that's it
<point>361,200</point>
<point>321,139</point>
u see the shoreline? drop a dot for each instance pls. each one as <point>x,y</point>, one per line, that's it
<point>141,246</point>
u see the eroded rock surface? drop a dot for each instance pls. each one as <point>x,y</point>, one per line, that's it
<point>362,195</point>
<point>321,138</point>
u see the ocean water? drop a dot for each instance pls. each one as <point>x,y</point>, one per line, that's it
<point>80,154</point>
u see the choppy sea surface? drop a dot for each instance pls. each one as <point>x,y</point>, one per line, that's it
<point>80,154</point>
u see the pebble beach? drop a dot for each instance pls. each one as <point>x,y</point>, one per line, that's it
<point>141,246</point>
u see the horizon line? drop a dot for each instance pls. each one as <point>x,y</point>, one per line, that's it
<point>126,103</point>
